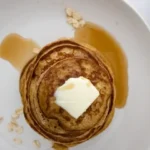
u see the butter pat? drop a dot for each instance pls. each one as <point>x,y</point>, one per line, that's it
<point>76,95</point>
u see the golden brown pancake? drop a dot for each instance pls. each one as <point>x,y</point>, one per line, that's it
<point>40,78</point>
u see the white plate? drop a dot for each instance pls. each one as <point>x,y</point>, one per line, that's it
<point>44,21</point>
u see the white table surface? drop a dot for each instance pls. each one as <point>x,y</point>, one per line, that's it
<point>143,8</point>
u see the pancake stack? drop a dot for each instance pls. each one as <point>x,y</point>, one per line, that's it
<point>56,63</point>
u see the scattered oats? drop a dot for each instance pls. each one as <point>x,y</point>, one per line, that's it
<point>1,119</point>
<point>19,111</point>
<point>19,130</point>
<point>36,50</point>
<point>17,141</point>
<point>10,127</point>
<point>14,123</point>
<point>74,18</point>
<point>37,143</point>
<point>77,16</point>
<point>76,25</point>
<point>15,116</point>
<point>74,21</point>
<point>82,23</point>
<point>69,12</point>
<point>70,20</point>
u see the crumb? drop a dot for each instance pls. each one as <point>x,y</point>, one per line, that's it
<point>17,141</point>
<point>19,130</point>
<point>15,116</point>
<point>19,111</point>
<point>10,127</point>
<point>14,123</point>
<point>36,143</point>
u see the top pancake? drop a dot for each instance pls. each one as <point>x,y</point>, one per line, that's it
<point>40,78</point>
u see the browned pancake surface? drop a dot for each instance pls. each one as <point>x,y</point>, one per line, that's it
<point>41,77</point>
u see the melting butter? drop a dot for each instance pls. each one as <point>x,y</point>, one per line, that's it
<point>67,87</point>
<point>17,50</point>
<point>78,98</point>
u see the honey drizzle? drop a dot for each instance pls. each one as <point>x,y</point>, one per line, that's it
<point>97,37</point>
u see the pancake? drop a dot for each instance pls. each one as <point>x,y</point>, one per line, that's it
<point>56,63</point>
